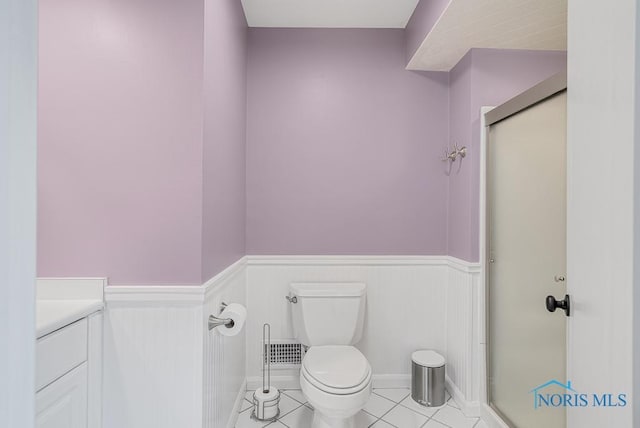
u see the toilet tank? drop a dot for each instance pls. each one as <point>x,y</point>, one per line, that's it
<point>328,313</point>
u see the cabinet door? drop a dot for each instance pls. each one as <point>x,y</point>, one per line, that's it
<point>63,403</point>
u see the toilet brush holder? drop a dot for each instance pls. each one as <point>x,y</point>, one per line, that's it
<point>266,400</point>
<point>266,404</point>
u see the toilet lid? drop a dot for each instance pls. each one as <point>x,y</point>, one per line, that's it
<point>341,367</point>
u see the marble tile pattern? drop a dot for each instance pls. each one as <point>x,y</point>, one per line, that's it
<point>387,408</point>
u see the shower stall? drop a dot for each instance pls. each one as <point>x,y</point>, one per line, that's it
<point>526,300</point>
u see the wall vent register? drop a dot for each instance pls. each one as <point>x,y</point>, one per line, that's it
<point>285,354</point>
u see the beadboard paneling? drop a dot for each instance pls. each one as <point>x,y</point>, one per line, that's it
<point>163,368</point>
<point>462,336</point>
<point>405,304</point>
<point>153,365</point>
<point>95,352</point>
<point>224,357</point>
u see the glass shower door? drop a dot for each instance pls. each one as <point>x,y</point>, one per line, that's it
<point>527,245</point>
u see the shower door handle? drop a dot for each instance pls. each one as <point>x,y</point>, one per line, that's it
<point>291,299</point>
<point>553,304</point>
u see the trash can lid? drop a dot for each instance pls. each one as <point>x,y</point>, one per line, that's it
<point>427,358</point>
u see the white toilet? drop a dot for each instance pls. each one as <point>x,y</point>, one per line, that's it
<point>335,376</point>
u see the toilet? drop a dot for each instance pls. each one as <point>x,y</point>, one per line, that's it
<point>335,376</point>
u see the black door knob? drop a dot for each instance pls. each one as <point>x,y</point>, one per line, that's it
<point>553,304</point>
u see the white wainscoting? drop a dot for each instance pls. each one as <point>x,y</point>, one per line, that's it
<point>153,365</point>
<point>163,368</point>
<point>463,336</point>
<point>412,303</point>
<point>224,357</point>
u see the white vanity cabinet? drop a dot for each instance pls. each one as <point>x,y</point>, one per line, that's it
<point>63,404</point>
<point>69,375</point>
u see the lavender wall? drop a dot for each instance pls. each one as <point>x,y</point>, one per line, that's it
<point>422,21</point>
<point>225,96</point>
<point>459,189</point>
<point>343,145</point>
<point>484,77</point>
<point>155,167</point>
<point>121,125</point>
<point>120,140</point>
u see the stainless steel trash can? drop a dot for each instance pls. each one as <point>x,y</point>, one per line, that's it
<point>427,378</point>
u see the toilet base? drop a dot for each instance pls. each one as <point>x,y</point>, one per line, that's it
<point>322,421</point>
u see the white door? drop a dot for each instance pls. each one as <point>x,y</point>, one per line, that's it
<point>63,403</point>
<point>603,236</point>
<point>526,178</point>
<point>18,84</point>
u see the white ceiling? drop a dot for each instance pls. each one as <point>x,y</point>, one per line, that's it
<point>329,13</point>
<point>503,24</point>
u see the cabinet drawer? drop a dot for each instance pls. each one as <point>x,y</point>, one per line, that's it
<point>63,404</point>
<point>59,352</point>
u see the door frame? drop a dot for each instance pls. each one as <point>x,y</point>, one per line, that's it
<point>489,116</point>
<point>18,192</point>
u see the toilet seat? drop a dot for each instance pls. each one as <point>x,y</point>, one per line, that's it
<point>337,370</point>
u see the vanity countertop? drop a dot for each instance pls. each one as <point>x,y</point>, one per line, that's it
<point>54,314</point>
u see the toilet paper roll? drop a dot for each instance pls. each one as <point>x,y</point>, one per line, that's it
<point>238,314</point>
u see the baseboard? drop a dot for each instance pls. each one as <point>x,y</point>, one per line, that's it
<point>469,408</point>
<point>280,382</point>
<point>491,418</point>
<point>392,381</point>
<point>233,418</point>
<point>293,381</point>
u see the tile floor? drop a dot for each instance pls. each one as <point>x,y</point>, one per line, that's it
<point>387,408</point>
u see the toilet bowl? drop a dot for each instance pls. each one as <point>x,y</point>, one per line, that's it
<point>337,382</point>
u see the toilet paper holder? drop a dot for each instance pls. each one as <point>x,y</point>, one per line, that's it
<point>214,321</point>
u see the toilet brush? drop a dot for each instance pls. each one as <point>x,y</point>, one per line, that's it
<point>266,400</point>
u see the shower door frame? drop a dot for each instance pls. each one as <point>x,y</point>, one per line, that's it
<point>490,116</point>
